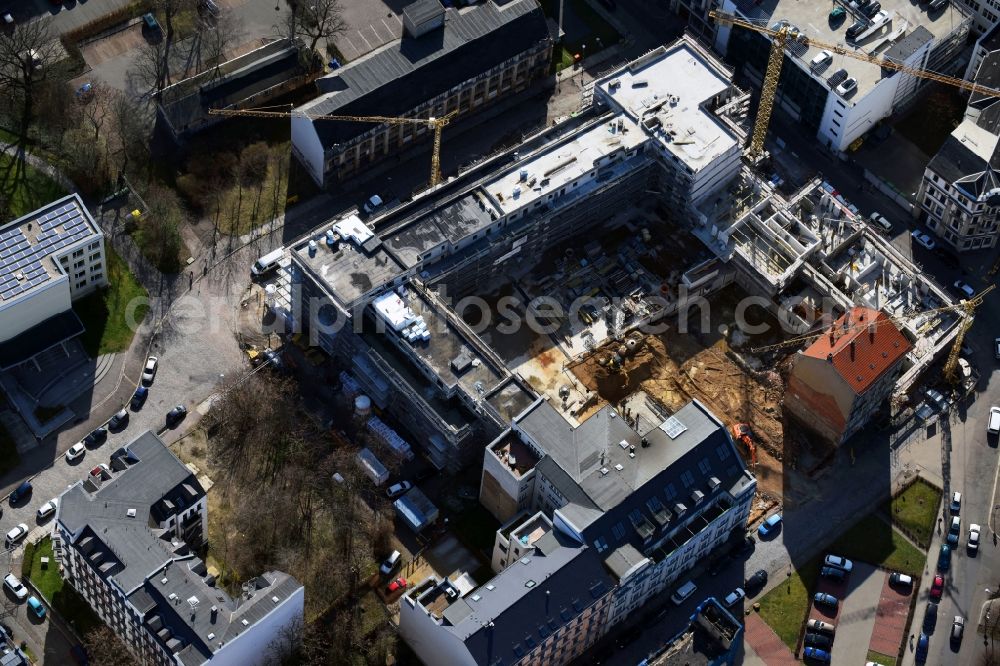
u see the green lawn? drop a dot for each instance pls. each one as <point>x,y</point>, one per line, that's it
<point>25,188</point>
<point>63,598</point>
<point>9,458</point>
<point>915,509</point>
<point>881,659</point>
<point>784,608</point>
<point>872,540</point>
<point>104,313</point>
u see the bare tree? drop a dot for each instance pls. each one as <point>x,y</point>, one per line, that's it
<point>220,38</point>
<point>315,20</point>
<point>105,649</point>
<point>27,53</point>
<point>159,230</point>
<point>150,70</point>
<point>129,133</point>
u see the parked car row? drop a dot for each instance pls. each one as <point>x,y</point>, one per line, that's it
<point>20,592</point>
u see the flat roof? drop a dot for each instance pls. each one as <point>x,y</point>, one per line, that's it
<point>672,88</point>
<point>349,271</point>
<point>560,164</point>
<point>27,242</point>
<point>449,223</point>
<point>813,18</point>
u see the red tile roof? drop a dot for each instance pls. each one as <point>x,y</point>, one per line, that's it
<point>860,351</point>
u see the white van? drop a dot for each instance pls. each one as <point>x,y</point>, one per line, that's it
<point>994,425</point>
<point>683,592</point>
<point>267,263</point>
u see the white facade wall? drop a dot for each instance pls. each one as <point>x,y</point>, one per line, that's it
<point>431,643</point>
<point>84,265</point>
<point>985,13</point>
<point>44,301</point>
<point>251,647</point>
<point>846,120</point>
<point>307,147</point>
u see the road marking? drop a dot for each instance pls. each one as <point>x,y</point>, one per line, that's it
<point>363,37</point>
<point>392,33</point>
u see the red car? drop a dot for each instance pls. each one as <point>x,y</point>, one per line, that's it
<point>396,585</point>
<point>937,587</point>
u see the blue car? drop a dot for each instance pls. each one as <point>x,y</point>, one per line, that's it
<point>817,655</point>
<point>922,643</point>
<point>139,398</point>
<point>769,526</point>
<point>36,607</point>
<point>944,558</point>
<point>823,598</point>
<point>20,492</point>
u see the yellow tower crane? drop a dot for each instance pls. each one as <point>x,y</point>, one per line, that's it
<point>967,307</point>
<point>436,123</point>
<point>782,35</point>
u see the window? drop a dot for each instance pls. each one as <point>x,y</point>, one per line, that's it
<point>94,245</point>
<point>78,264</point>
<point>836,123</point>
<point>687,478</point>
<point>704,466</point>
<point>96,256</point>
<point>619,531</point>
<point>80,274</point>
<point>81,285</point>
<point>96,277</point>
<point>78,253</point>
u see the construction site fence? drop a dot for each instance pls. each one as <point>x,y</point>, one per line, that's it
<point>890,191</point>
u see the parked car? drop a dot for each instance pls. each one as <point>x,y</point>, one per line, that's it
<point>21,492</point>
<point>150,23</point>
<point>972,545</point>
<point>389,565</point>
<point>820,59</point>
<point>993,425</point>
<point>75,452</point>
<point>817,654</point>
<point>923,239</point>
<point>937,587</point>
<point>821,626</point>
<point>839,562</point>
<point>396,585</point>
<point>16,587</point>
<point>769,526</point>
<point>930,617</point>
<point>139,398</point>
<point>849,85</point>
<point>119,420</point>
<point>954,530</point>
<point>872,9</point>
<point>964,288</point>
<point>210,6</point>
<point>996,348</point>
<point>756,581</point>
<point>373,204</point>
<point>856,29</point>
<point>818,640</point>
<point>944,558</point>
<point>825,599</point>
<point>176,415</point>
<point>398,489</point>
<point>956,503</point>
<point>957,629</point>
<point>901,579</point>
<point>101,470</point>
<point>150,370</point>
<point>745,548</point>
<point>833,573</point>
<point>735,597</point>
<point>922,644</point>
<point>36,607</point>
<point>47,509</point>
<point>15,534</point>
<point>879,220</point>
<point>97,437</point>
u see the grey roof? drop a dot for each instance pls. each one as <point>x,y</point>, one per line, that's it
<point>622,559</point>
<point>349,272</point>
<point>990,40</point>
<point>423,10</point>
<point>529,600</point>
<point>910,44</point>
<point>187,102</point>
<point>988,76</point>
<point>27,243</point>
<point>403,74</point>
<point>954,161</point>
<point>450,223</point>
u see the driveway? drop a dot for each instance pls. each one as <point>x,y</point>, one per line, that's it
<point>857,615</point>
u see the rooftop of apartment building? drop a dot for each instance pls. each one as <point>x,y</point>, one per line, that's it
<point>405,73</point>
<point>505,619</point>
<point>233,81</point>
<point>909,27</point>
<point>116,523</point>
<point>709,636</point>
<point>665,91</point>
<point>608,472</point>
<point>27,243</point>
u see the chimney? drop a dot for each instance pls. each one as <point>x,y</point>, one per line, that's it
<point>871,332</point>
<point>852,350</point>
<point>829,358</point>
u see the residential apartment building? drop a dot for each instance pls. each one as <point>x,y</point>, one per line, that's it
<point>843,378</point>
<point>985,14</point>
<point>960,192</point>
<point>377,294</point>
<point>811,95</point>
<point>448,60</point>
<point>126,541</point>
<point>49,258</point>
<point>612,517</point>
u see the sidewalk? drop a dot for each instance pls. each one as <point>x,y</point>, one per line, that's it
<point>766,644</point>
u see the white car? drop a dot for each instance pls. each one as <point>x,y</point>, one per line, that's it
<point>75,452</point>
<point>820,59</point>
<point>923,239</point>
<point>735,597</point>
<point>398,489</point>
<point>956,502</point>
<point>16,533</point>
<point>973,545</point>
<point>16,587</point>
<point>849,85</point>
<point>149,371</point>
<point>839,562</point>
<point>47,509</point>
<point>965,288</point>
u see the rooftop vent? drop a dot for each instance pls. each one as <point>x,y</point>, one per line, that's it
<point>275,599</point>
<point>697,497</point>
<point>163,581</point>
<point>604,470</point>
<point>673,427</point>
<point>211,636</point>
<point>623,444</point>
<point>130,513</point>
<point>713,483</point>
<point>619,467</point>
<point>244,622</point>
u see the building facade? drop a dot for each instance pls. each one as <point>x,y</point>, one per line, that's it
<point>126,541</point>
<point>845,377</point>
<point>448,61</point>
<point>985,14</point>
